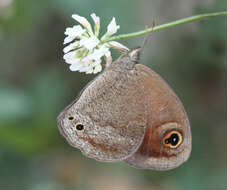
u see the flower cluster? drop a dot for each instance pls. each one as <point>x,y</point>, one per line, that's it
<point>85,51</point>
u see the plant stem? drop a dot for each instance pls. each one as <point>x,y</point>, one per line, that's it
<point>167,25</point>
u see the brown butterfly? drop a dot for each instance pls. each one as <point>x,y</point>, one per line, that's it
<point>128,113</point>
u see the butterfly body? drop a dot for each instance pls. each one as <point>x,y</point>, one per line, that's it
<point>124,114</point>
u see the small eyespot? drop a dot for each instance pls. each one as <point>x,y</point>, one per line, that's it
<point>79,127</point>
<point>71,118</point>
<point>172,139</point>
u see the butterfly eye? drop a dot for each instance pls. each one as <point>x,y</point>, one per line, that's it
<point>79,127</point>
<point>172,139</point>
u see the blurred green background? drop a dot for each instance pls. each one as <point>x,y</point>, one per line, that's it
<point>36,84</point>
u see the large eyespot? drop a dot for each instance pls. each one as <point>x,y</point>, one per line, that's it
<point>79,127</point>
<point>172,139</point>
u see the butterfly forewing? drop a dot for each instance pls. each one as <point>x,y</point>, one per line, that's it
<point>113,110</point>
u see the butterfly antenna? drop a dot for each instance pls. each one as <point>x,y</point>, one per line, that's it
<point>147,35</point>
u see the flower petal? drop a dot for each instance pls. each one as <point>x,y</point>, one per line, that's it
<point>71,46</point>
<point>73,56</point>
<point>98,68</point>
<point>72,61</point>
<point>112,27</point>
<point>85,69</point>
<point>69,55</point>
<point>96,20</point>
<point>84,22</point>
<point>118,46</point>
<point>98,53</point>
<point>73,32</point>
<point>75,67</point>
<point>76,30</point>
<point>90,71</point>
<point>68,39</point>
<point>89,43</point>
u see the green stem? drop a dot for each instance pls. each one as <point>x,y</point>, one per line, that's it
<point>167,25</point>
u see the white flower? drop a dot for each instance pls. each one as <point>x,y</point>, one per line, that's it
<point>119,46</point>
<point>85,52</point>
<point>71,46</point>
<point>112,27</point>
<point>72,33</point>
<point>96,20</point>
